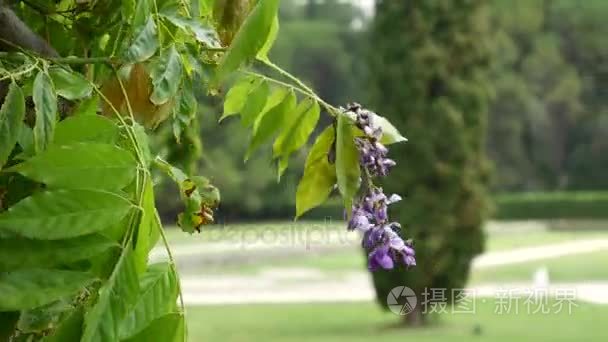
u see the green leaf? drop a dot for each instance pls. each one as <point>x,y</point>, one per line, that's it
<point>298,129</point>
<point>102,321</point>
<point>24,253</point>
<point>158,297</point>
<point>142,11</point>
<point>250,39</point>
<point>70,329</point>
<point>26,289</point>
<point>26,141</point>
<point>188,105</point>
<point>145,44</point>
<point>45,103</point>
<point>11,118</point>
<point>168,328</point>
<point>205,7</point>
<point>202,33</point>
<point>143,142</point>
<point>255,104</point>
<point>319,175</point>
<point>272,36</point>
<point>86,128</point>
<point>198,195</point>
<point>70,85</point>
<point>282,166</point>
<point>347,160</point>
<point>62,214</point>
<point>148,230</point>
<point>270,122</point>
<point>184,112</point>
<point>176,174</point>
<point>166,77</point>
<point>275,99</point>
<point>81,166</point>
<point>8,323</point>
<point>87,107</point>
<point>210,195</point>
<point>237,95</point>
<point>43,317</point>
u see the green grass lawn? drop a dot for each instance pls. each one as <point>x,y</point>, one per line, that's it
<point>507,240</point>
<point>572,268</point>
<point>575,268</point>
<point>366,322</point>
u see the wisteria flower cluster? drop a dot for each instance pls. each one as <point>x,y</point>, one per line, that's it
<point>370,215</point>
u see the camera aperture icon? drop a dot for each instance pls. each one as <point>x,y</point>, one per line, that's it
<point>401,300</point>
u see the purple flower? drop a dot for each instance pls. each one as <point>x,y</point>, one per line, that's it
<point>380,258</point>
<point>381,238</point>
<point>372,156</point>
<point>359,220</point>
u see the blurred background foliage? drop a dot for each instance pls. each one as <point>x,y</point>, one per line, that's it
<point>548,111</point>
<point>504,103</point>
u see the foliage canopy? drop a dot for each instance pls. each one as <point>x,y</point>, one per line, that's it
<point>77,206</point>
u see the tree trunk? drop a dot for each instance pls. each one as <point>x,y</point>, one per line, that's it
<point>415,318</point>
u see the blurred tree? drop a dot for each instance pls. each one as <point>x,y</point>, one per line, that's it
<point>537,100</point>
<point>550,94</point>
<point>583,30</point>
<point>429,64</point>
<point>318,41</point>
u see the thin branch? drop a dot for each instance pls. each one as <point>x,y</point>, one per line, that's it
<point>172,262</point>
<point>333,111</point>
<point>17,57</point>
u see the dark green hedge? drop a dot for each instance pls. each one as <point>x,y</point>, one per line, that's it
<point>513,206</point>
<point>519,206</point>
<point>551,205</point>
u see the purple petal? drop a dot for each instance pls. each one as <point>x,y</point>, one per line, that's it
<point>380,258</point>
<point>409,260</point>
<point>381,214</point>
<point>359,221</point>
<point>380,148</point>
<point>408,250</point>
<point>388,163</point>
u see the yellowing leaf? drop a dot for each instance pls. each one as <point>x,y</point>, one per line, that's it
<point>319,175</point>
